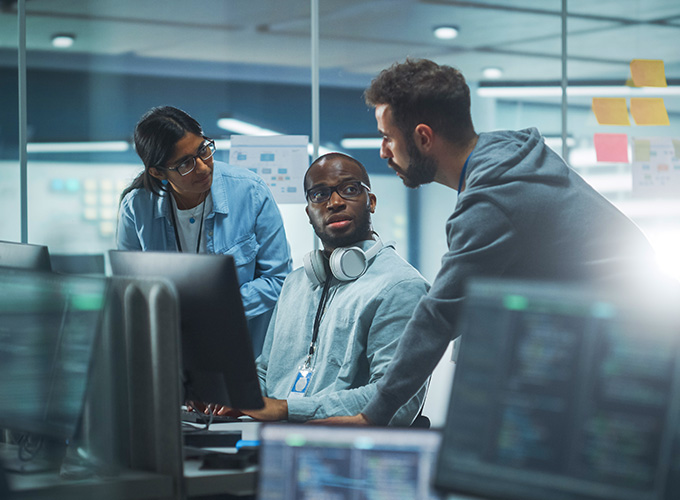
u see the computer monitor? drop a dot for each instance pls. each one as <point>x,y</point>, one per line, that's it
<point>24,256</point>
<point>563,392</point>
<point>314,461</point>
<point>49,325</point>
<point>217,354</point>
<point>84,264</point>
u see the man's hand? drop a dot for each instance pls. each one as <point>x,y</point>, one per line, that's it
<point>274,409</point>
<point>359,419</point>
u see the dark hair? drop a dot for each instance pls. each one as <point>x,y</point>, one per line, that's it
<point>331,156</point>
<point>156,134</point>
<point>421,91</point>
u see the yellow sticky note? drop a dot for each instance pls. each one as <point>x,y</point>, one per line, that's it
<point>611,110</point>
<point>648,73</point>
<point>648,111</point>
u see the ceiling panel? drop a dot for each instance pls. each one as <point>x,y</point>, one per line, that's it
<point>635,10</point>
<point>360,37</point>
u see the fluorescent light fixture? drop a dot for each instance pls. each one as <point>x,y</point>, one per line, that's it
<point>78,147</point>
<point>63,40</point>
<point>578,90</point>
<point>361,142</point>
<point>492,73</point>
<point>445,32</point>
<point>244,128</point>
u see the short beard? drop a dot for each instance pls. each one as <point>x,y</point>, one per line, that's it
<point>421,168</point>
<point>361,232</point>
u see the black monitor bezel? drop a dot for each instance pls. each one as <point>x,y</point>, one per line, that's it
<point>222,369</point>
<point>25,256</point>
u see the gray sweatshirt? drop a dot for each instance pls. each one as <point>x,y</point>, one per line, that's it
<point>523,214</point>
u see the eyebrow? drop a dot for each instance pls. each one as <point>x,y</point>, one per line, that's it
<point>184,158</point>
<point>342,181</point>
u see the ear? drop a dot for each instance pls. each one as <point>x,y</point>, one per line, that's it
<point>423,137</point>
<point>372,202</point>
<point>156,173</point>
<point>309,219</point>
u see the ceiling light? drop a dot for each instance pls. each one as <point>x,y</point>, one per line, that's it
<point>361,142</point>
<point>446,32</point>
<point>244,128</point>
<point>63,40</point>
<point>78,147</point>
<point>492,73</point>
<point>578,90</point>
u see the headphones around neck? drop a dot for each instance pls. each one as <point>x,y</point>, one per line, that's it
<point>346,264</point>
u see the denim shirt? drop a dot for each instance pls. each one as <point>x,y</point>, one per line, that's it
<point>245,222</point>
<point>359,331</point>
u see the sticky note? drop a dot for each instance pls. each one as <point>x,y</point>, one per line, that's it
<point>642,150</point>
<point>648,111</point>
<point>676,148</point>
<point>611,147</point>
<point>648,73</point>
<point>611,110</point>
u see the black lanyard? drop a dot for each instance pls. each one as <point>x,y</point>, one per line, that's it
<point>319,311</point>
<point>174,226</point>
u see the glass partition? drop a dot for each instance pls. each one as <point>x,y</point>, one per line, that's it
<point>10,226</point>
<point>634,161</point>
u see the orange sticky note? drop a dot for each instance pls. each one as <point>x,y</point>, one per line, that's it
<point>648,73</point>
<point>648,111</point>
<point>611,147</point>
<point>611,110</point>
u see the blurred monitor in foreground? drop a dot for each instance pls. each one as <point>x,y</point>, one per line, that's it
<point>217,354</point>
<point>24,256</point>
<point>314,461</point>
<point>49,325</point>
<point>564,393</point>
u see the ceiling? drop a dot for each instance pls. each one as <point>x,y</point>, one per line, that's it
<point>358,37</point>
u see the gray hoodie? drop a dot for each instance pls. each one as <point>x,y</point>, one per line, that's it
<point>523,214</point>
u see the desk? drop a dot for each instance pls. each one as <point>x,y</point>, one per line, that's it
<point>128,484</point>
<point>239,482</point>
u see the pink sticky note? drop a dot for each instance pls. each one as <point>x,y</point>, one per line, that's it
<point>611,147</point>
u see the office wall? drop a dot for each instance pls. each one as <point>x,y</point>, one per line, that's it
<point>252,60</point>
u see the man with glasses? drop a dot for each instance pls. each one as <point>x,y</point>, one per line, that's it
<point>185,201</point>
<point>339,318</point>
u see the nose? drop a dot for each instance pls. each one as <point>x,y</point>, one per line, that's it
<point>203,165</point>
<point>384,150</point>
<point>335,201</point>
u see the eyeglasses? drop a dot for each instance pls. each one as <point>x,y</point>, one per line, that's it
<point>347,190</point>
<point>206,152</point>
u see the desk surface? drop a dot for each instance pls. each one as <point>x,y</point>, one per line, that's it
<point>237,482</point>
<point>127,485</point>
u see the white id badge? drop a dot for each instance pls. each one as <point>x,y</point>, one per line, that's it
<point>302,381</point>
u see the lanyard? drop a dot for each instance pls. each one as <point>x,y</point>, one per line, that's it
<point>462,174</point>
<point>319,313</point>
<point>174,226</point>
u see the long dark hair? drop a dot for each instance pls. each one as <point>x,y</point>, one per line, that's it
<point>156,135</point>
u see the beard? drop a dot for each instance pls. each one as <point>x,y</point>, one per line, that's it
<point>421,168</point>
<point>362,231</point>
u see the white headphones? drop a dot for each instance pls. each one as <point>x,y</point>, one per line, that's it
<point>346,264</point>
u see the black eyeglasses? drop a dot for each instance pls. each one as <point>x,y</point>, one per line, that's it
<point>347,190</point>
<point>206,152</point>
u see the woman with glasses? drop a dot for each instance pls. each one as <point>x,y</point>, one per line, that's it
<point>185,201</point>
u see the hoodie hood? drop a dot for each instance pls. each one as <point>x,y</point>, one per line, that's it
<point>506,156</point>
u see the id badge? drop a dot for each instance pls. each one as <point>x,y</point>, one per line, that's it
<point>301,383</point>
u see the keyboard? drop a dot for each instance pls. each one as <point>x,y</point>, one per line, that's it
<point>199,418</point>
